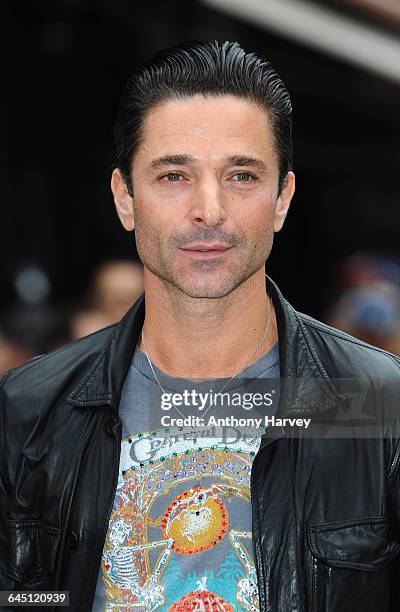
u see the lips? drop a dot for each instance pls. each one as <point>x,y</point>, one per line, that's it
<point>206,251</point>
<point>206,248</point>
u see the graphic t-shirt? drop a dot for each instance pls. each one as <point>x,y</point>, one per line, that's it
<point>179,536</point>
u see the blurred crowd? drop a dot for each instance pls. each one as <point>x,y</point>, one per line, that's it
<point>32,325</point>
<point>366,304</point>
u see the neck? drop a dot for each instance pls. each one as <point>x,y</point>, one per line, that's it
<point>207,338</point>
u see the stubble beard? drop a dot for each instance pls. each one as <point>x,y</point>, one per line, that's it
<point>198,279</point>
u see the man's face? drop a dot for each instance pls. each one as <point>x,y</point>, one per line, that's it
<point>204,177</point>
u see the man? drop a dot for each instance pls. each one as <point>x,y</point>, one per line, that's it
<point>102,498</point>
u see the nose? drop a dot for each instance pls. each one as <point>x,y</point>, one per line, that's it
<point>208,203</point>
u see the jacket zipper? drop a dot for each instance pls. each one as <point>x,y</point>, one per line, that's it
<point>107,516</point>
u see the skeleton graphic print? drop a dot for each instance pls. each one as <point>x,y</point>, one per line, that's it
<point>178,536</point>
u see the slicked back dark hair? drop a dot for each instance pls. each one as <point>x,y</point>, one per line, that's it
<point>210,69</point>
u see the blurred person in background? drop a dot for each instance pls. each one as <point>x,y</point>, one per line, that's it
<point>114,287</point>
<point>99,496</point>
<point>85,320</point>
<point>11,354</point>
<point>28,330</point>
<point>30,325</point>
<point>369,305</point>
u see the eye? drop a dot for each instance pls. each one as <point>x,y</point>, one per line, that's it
<point>171,177</point>
<point>243,177</point>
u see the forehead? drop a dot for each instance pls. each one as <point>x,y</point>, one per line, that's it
<point>207,125</point>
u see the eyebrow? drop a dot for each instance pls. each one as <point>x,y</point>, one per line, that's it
<point>171,160</point>
<point>245,160</point>
<point>180,160</point>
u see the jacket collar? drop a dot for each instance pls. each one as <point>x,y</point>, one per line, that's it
<point>305,385</point>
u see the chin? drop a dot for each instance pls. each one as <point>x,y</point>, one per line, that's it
<point>207,294</point>
<point>205,284</point>
<point>206,290</point>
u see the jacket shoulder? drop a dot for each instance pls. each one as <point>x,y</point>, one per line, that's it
<point>347,355</point>
<point>46,374</point>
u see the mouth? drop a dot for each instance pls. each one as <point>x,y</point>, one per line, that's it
<point>205,251</point>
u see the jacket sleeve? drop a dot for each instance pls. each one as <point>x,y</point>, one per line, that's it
<point>6,583</point>
<point>394,512</point>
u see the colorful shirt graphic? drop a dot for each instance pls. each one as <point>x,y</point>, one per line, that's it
<point>179,536</point>
<point>175,494</point>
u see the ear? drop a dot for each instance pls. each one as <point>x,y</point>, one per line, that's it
<point>123,201</point>
<point>283,201</point>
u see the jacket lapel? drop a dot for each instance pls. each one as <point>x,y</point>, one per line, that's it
<point>306,388</point>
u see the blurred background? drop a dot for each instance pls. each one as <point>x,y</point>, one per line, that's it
<point>68,268</point>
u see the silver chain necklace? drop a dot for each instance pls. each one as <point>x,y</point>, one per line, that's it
<point>230,379</point>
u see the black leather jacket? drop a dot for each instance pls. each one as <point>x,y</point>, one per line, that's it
<point>325,508</point>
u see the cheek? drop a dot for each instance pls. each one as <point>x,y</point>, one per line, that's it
<point>258,225</point>
<point>157,210</point>
<point>257,216</point>
<point>152,227</point>
<point>148,213</point>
